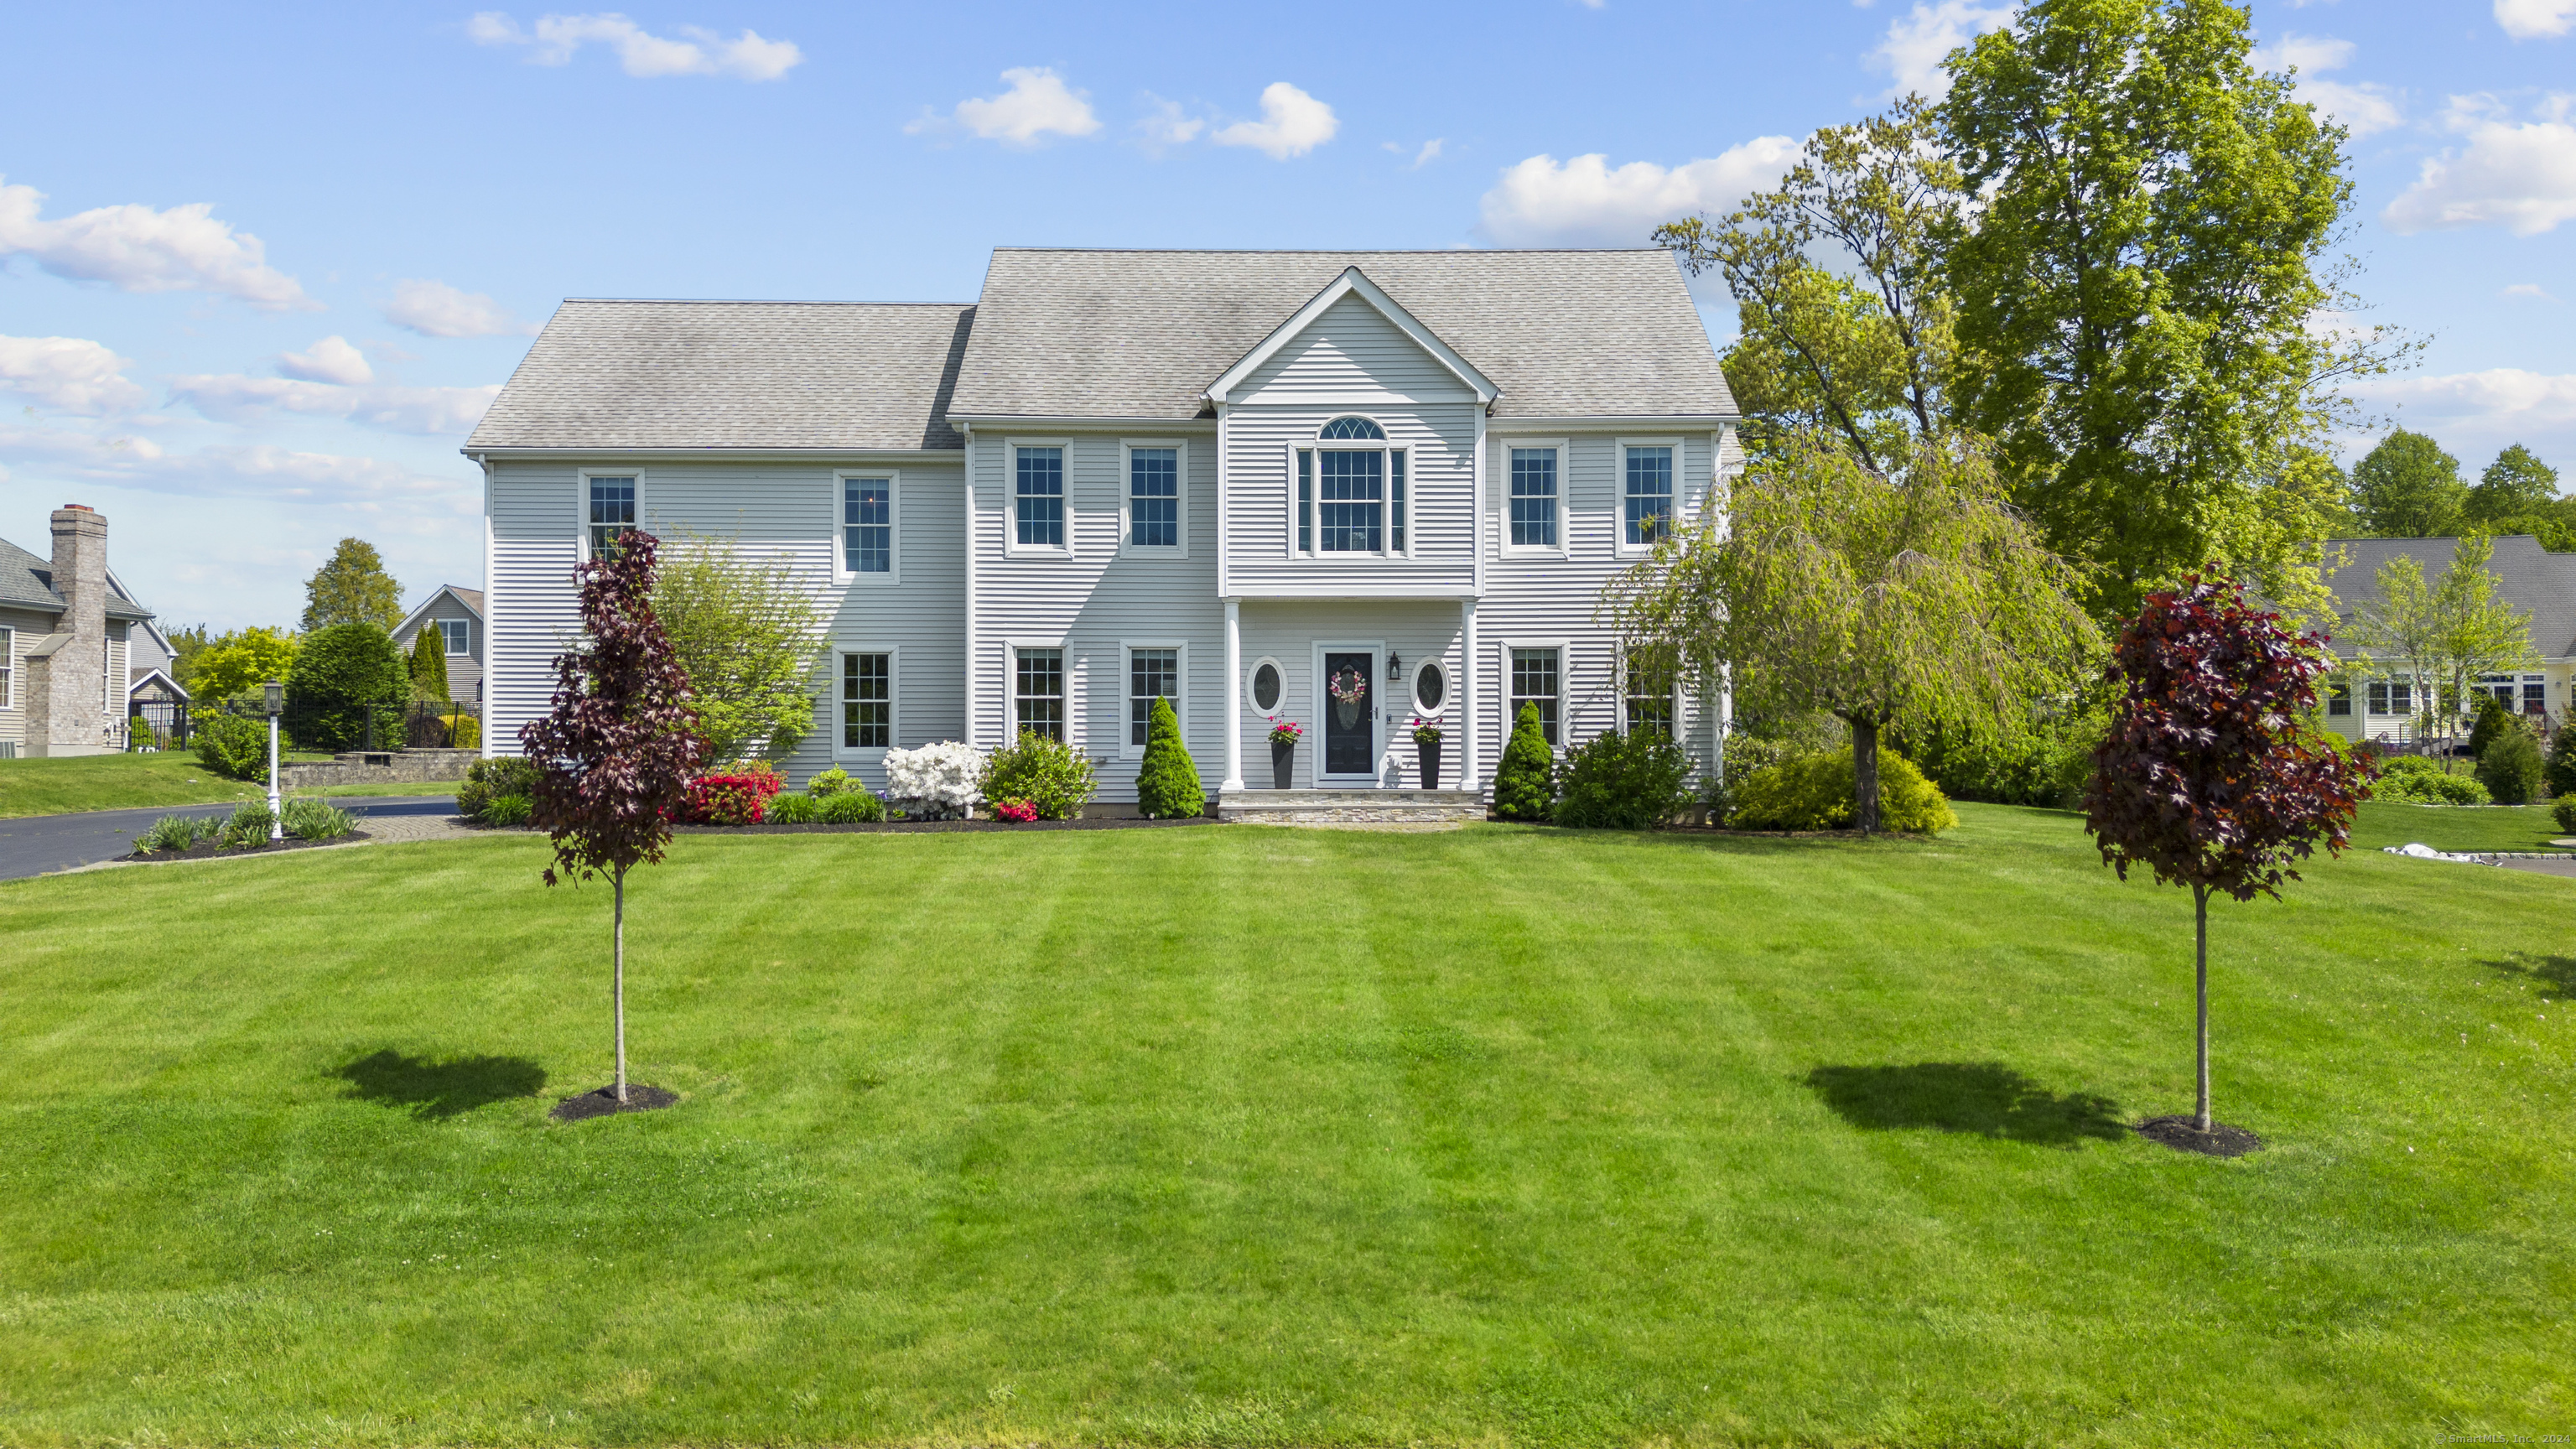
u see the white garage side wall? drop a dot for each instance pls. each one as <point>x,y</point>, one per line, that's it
<point>533,608</point>
<point>1096,602</point>
<point>1287,631</point>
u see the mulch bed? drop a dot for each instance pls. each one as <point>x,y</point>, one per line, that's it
<point>211,852</point>
<point>2183,1134</point>
<point>604,1103</point>
<point>936,826</point>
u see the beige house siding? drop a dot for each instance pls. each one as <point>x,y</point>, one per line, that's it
<point>25,627</point>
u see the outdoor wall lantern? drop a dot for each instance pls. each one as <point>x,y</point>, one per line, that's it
<point>1394,666</point>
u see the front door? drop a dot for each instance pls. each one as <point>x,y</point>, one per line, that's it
<point>1350,714</point>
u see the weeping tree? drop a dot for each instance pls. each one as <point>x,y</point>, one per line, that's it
<point>615,754</point>
<point>1911,596</point>
<point>2209,776</point>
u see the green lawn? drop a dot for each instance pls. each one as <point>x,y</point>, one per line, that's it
<point>137,781</point>
<point>2457,827</point>
<point>1263,1137</point>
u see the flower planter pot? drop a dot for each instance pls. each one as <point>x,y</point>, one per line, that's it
<point>1283,764</point>
<point>1429,758</point>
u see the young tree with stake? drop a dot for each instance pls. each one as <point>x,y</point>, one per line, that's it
<point>615,755</point>
<point>2207,776</point>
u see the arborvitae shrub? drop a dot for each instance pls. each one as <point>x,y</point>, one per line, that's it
<point>1525,783</point>
<point>429,661</point>
<point>1167,784</point>
<point>2490,720</point>
<point>2510,766</point>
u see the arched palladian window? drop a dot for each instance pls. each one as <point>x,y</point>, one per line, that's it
<point>1351,498</point>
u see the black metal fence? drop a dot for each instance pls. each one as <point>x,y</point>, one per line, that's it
<point>160,724</point>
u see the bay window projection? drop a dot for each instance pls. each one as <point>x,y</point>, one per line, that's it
<point>612,512</point>
<point>867,525</point>
<point>1151,674</point>
<point>1648,504</point>
<point>1534,681</point>
<point>1533,498</point>
<point>1038,692</point>
<point>1038,498</point>
<point>1154,497</point>
<point>867,701</point>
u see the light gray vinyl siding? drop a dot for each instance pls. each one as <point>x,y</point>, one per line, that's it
<point>785,511</point>
<point>27,628</point>
<point>464,671</point>
<point>1095,602</point>
<point>1353,356</point>
<point>1289,631</point>
<point>1439,440</point>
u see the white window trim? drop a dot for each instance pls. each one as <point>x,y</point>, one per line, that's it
<point>1448,687</point>
<point>841,570</point>
<point>1127,681</point>
<point>1564,689</point>
<point>1386,447</point>
<point>581,504</point>
<point>1680,698</point>
<point>1073,731</point>
<point>894,699</point>
<point>1381,730</point>
<point>441,626</point>
<point>1619,544</point>
<point>1127,545</point>
<point>1011,545</point>
<point>1564,486</point>
<point>9,667</point>
<point>1252,705</point>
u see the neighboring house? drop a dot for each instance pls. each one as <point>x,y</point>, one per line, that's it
<point>1229,478</point>
<point>77,652</point>
<point>457,616</point>
<point>2533,580</point>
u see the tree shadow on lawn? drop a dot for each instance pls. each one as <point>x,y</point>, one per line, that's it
<point>440,1089</point>
<point>2555,975</point>
<point>1986,1098</point>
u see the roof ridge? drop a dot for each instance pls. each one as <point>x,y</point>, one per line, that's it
<point>749,302</point>
<point>1345,251</point>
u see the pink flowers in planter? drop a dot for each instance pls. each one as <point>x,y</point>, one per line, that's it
<point>1286,732</point>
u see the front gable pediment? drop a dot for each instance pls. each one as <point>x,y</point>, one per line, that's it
<point>1346,298</point>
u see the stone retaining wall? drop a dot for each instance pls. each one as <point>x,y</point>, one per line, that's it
<point>378,767</point>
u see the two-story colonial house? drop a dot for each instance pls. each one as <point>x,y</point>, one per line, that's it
<point>1268,485</point>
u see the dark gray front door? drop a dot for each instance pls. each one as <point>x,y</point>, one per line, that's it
<point>1350,708</point>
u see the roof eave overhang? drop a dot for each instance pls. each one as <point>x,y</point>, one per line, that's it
<point>1580,421</point>
<point>647,455</point>
<point>1352,280</point>
<point>1203,422</point>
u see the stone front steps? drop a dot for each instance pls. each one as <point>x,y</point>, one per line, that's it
<point>1350,807</point>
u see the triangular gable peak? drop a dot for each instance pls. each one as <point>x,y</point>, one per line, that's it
<point>1351,283</point>
<point>443,591</point>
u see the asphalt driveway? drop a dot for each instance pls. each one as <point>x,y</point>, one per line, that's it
<point>39,844</point>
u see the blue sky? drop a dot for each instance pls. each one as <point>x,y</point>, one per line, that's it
<point>261,266</point>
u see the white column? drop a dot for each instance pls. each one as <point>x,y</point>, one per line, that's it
<point>1470,708</point>
<point>1233,696</point>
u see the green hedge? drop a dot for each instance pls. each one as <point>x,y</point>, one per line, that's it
<point>1633,781</point>
<point>1816,793</point>
<point>233,746</point>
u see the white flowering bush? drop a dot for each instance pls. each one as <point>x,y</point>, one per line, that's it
<point>935,782</point>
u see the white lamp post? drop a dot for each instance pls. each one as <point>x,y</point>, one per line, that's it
<point>276,705</point>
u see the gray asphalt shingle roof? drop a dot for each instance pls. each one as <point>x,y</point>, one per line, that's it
<point>608,374</point>
<point>1071,333</point>
<point>2530,577</point>
<point>26,581</point>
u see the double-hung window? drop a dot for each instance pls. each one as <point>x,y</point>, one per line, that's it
<point>456,636</point>
<point>1037,498</point>
<point>1646,496</point>
<point>1351,491</point>
<point>867,701</point>
<point>1154,497</point>
<point>1152,673</point>
<point>868,512</point>
<point>2535,694</point>
<point>1535,680</point>
<point>611,504</point>
<point>2339,700</point>
<point>1649,704</point>
<point>2392,696</point>
<point>8,669</point>
<point>1037,692</point>
<point>1535,522</point>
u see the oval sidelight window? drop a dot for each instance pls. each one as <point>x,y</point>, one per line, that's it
<point>1430,687</point>
<point>1266,686</point>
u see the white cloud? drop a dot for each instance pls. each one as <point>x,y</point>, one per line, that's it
<point>2475,414</point>
<point>1037,104</point>
<point>435,309</point>
<point>1429,153</point>
<point>1912,52</point>
<point>234,397</point>
<point>2532,290</point>
<point>2535,19</point>
<point>1584,202</point>
<point>640,53</point>
<point>137,249</point>
<point>1166,126</point>
<point>2520,176</point>
<point>70,373</point>
<point>260,470</point>
<point>2363,109</point>
<point>1292,123</point>
<point>330,360</point>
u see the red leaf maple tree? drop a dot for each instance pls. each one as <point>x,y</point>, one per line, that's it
<point>2211,775</point>
<point>615,755</point>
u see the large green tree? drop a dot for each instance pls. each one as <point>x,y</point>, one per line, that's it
<point>352,588</point>
<point>746,632</point>
<point>1911,595</point>
<point>2135,288</point>
<point>2407,487</point>
<point>2518,493</point>
<point>239,662</point>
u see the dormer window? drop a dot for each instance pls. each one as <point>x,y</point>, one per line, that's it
<point>1350,499</point>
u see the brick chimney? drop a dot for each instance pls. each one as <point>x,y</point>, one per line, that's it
<point>68,694</point>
